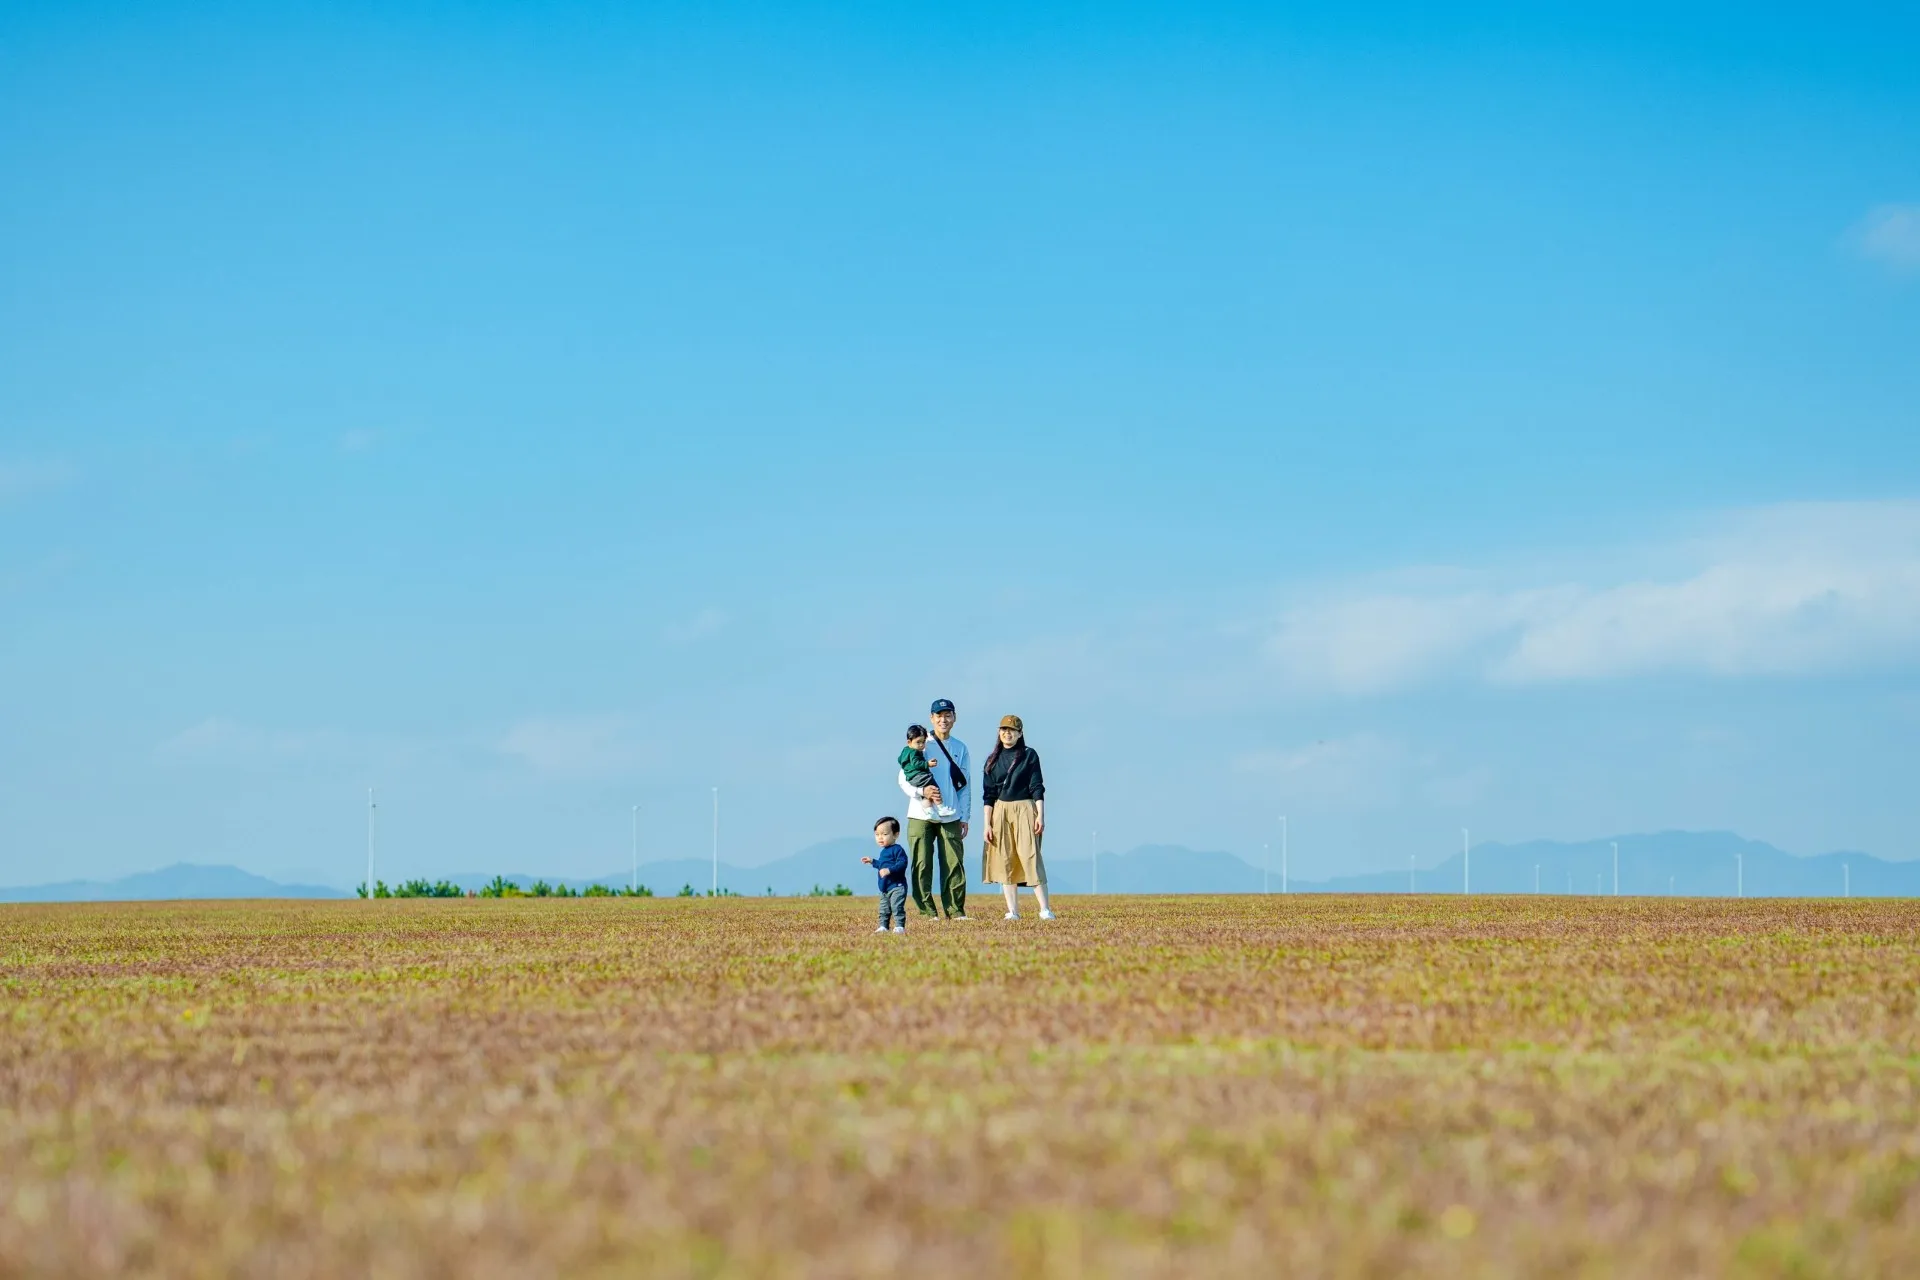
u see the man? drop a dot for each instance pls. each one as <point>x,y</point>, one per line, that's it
<point>932,843</point>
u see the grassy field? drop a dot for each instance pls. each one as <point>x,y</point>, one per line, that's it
<point>1208,1086</point>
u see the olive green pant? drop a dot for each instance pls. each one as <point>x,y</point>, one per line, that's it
<point>932,845</point>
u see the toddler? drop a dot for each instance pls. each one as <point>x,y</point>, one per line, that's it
<point>913,763</point>
<point>891,863</point>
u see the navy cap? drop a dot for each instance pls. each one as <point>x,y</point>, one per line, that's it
<point>939,705</point>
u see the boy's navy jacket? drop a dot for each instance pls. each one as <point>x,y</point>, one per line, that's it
<point>893,860</point>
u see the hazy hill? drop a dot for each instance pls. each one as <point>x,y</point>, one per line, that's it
<point>181,881</point>
<point>1686,863</point>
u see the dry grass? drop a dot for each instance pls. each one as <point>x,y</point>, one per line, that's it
<point>1343,1086</point>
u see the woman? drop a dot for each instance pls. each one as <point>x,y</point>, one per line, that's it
<point>1015,794</point>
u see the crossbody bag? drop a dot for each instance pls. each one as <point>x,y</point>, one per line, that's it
<point>958,778</point>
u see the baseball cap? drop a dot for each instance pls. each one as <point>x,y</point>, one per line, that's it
<point>941,704</point>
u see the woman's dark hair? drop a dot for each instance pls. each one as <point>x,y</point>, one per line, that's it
<point>888,822</point>
<point>994,754</point>
<point>916,731</point>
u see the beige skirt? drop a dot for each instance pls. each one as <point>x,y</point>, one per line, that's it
<point>1014,855</point>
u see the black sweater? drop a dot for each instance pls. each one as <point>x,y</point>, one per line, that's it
<point>1014,775</point>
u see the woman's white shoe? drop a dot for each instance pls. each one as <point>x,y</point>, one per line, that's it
<point>1013,915</point>
<point>1047,915</point>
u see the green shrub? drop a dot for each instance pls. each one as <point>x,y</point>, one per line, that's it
<point>686,891</point>
<point>501,887</point>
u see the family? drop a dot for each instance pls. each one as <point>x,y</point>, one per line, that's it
<point>935,774</point>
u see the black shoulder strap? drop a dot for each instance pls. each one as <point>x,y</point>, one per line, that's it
<point>959,778</point>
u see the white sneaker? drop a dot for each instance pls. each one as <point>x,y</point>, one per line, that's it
<point>968,919</point>
<point>1013,915</point>
<point>1048,915</point>
<point>899,928</point>
<point>881,929</point>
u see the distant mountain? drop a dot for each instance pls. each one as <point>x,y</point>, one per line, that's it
<point>180,881</point>
<point>1685,863</point>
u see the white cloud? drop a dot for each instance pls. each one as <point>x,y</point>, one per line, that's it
<point>1361,767</point>
<point>216,737</point>
<point>23,479</point>
<point>1363,770</point>
<point>562,747</point>
<point>705,623</point>
<point>1890,233</point>
<point>1320,756</point>
<point>574,746</point>
<point>1787,590</point>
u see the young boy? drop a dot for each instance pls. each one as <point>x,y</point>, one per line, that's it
<point>891,863</point>
<point>913,763</point>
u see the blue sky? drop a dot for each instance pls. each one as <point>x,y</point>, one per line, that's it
<point>1399,420</point>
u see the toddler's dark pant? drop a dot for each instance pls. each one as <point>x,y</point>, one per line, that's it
<point>893,905</point>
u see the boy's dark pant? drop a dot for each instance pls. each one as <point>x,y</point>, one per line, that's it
<point>893,904</point>
<point>932,845</point>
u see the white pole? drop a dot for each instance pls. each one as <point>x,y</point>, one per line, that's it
<point>1466,863</point>
<point>716,842</point>
<point>1616,867</point>
<point>633,886</point>
<point>371,807</point>
<point>1283,853</point>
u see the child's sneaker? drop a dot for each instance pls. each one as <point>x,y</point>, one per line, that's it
<point>881,929</point>
<point>1047,915</point>
<point>899,928</point>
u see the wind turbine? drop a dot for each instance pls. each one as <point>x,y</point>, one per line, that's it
<point>371,809</point>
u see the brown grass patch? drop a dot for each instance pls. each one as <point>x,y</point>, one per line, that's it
<point>1203,1086</point>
